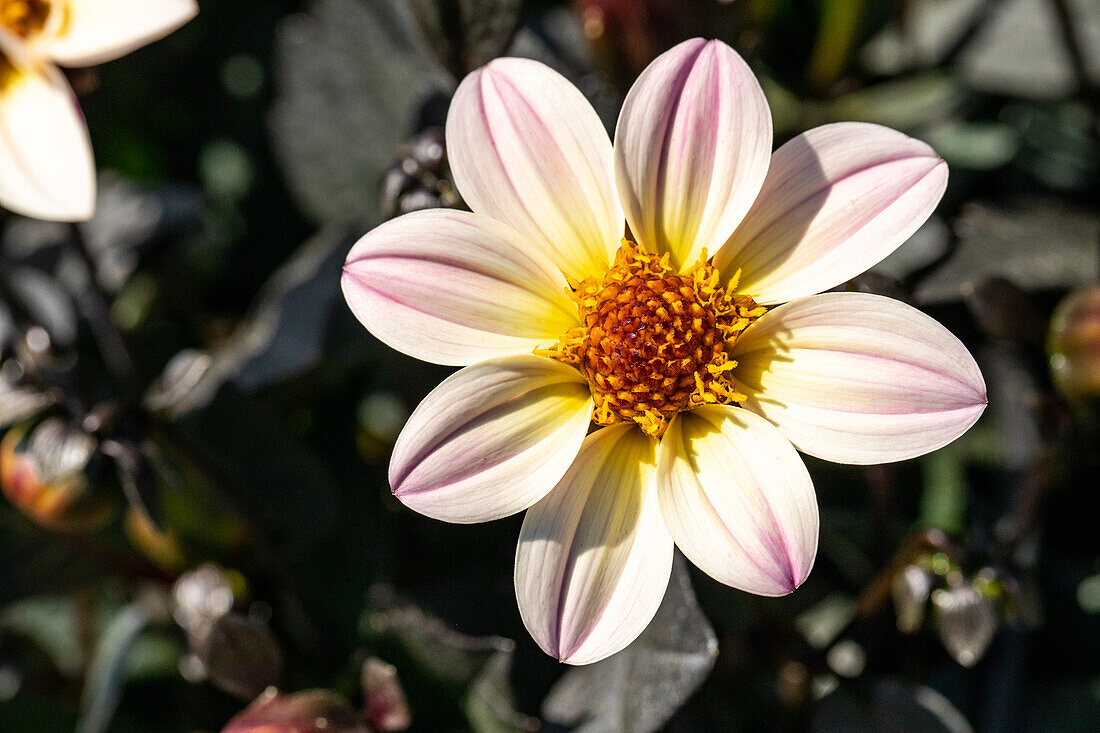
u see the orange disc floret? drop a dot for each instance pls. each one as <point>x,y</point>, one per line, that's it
<point>654,341</point>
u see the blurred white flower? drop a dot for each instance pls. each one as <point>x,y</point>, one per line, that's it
<point>46,165</point>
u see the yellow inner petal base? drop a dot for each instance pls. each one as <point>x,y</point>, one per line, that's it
<point>654,341</point>
<point>24,18</point>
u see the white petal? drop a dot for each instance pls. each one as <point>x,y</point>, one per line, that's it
<point>858,378</point>
<point>95,31</point>
<point>492,439</point>
<point>527,149</point>
<point>46,165</point>
<point>836,201</point>
<point>452,287</point>
<point>738,499</point>
<point>594,556</point>
<point>691,149</point>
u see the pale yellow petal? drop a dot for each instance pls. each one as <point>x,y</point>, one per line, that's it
<point>594,556</point>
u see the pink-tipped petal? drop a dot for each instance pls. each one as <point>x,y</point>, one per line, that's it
<point>594,556</point>
<point>691,149</point>
<point>95,31</point>
<point>527,149</point>
<point>837,200</point>
<point>858,378</point>
<point>492,439</point>
<point>451,287</point>
<point>738,499</point>
<point>46,165</point>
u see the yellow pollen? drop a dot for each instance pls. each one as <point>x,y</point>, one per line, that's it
<point>653,341</point>
<point>24,18</point>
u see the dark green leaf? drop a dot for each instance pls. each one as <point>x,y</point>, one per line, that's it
<point>1000,239</point>
<point>7,326</point>
<point>889,706</point>
<point>466,34</point>
<point>454,658</point>
<point>903,104</point>
<point>1058,144</point>
<point>36,564</point>
<point>107,672</point>
<point>1021,51</point>
<point>490,706</point>
<point>43,300</point>
<point>130,220</point>
<point>350,77</point>
<point>285,333</point>
<point>35,712</point>
<point>641,687</point>
<point>50,622</point>
<point>471,670</point>
<point>974,145</point>
<point>271,478</point>
<point>928,33</point>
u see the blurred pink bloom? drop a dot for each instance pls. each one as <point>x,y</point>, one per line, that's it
<point>46,165</point>
<point>643,391</point>
<point>308,711</point>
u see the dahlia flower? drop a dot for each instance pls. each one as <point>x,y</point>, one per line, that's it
<point>46,165</point>
<point>643,342</point>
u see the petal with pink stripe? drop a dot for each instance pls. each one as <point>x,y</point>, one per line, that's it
<point>526,148</point>
<point>451,287</point>
<point>691,149</point>
<point>492,439</point>
<point>858,378</point>
<point>738,499</point>
<point>594,556</point>
<point>837,200</point>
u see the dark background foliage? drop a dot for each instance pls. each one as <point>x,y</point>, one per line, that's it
<point>182,376</point>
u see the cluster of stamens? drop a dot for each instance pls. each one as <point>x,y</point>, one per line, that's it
<point>654,341</point>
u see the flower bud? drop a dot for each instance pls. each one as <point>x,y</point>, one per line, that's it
<point>44,472</point>
<point>910,589</point>
<point>383,697</point>
<point>162,547</point>
<point>309,711</point>
<point>420,178</point>
<point>240,655</point>
<point>235,653</point>
<point>1074,345</point>
<point>966,621</point>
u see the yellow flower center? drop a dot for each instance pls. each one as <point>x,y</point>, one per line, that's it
<point>24,18</point>
<point>653,341</point>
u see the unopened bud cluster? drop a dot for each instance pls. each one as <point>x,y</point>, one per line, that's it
<point>421,177</point>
